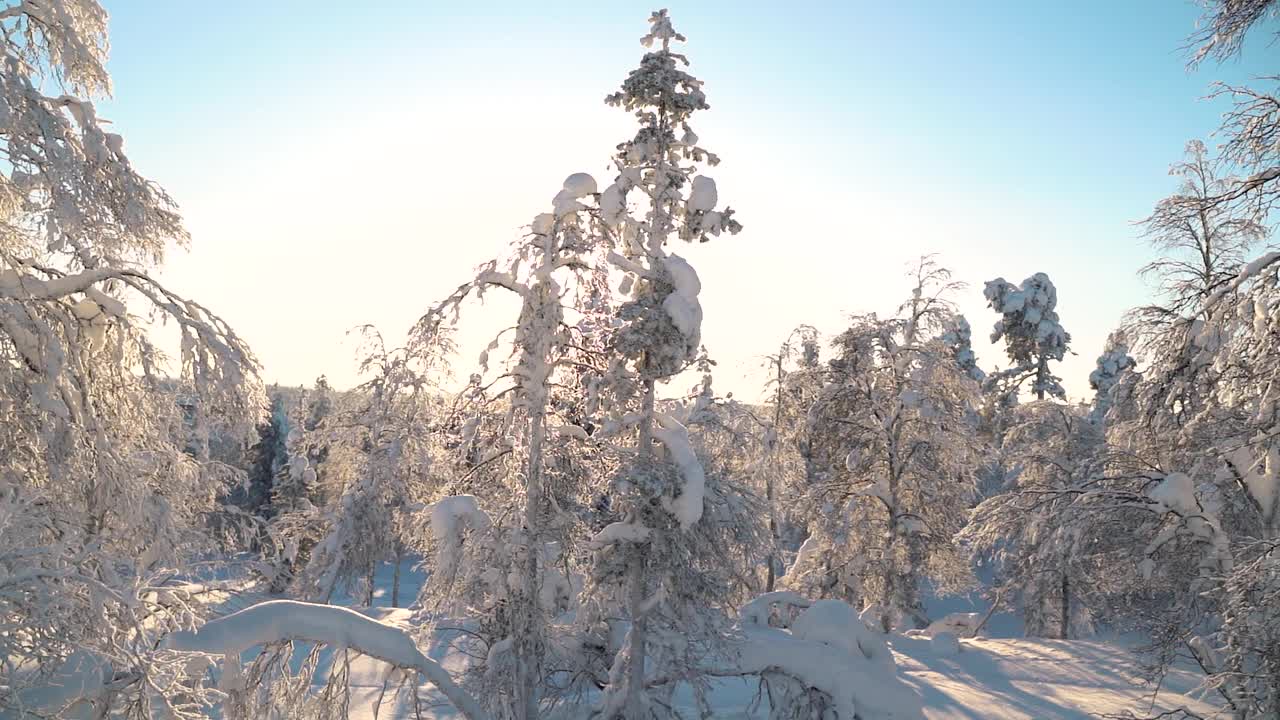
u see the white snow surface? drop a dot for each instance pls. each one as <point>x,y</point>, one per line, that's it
<point>759,608</point>
<point>828,648</point>
<point>1177,492</point>
<point>682,304</point>
<point>277,620</point>
<point>70,691</point>
<point>337,627</point>
<point>945,644</point>
<point>991,679</point>
<point>703,197</point>
<point>580,185</point>
<point>836,623</point>
<point>448,512</point>
<point>958,623</point>
<point>686,506</point>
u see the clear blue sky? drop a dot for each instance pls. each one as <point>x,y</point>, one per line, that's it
<point>341,164</point>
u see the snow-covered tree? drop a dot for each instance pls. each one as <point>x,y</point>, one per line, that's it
<point>958,337</point>
<point>1031,331</point>
<point>1202,243</point>
<point>1039,556</point>
<point>378,444</point>
<point>794,380</point>
<point>1221,30</point>
<point>267,457</point>
<point>895,427</point>
<point>101,502</point>
<point>1113,367</point>
<point>1248,130</point>
<point>552,272</point>
<point>657,556</point>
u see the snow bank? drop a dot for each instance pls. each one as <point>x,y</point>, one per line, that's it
<point>76,685</point>
<point>859,690</point>
<point>758,610</point>
<point>280,620</point>
<point>687,505</point>
<point>945,644</point>
<point>827,648</point>
<point>836,623</point>
<point>959,623</point>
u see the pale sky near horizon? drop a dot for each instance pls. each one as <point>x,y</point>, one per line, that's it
<point>340,165</point>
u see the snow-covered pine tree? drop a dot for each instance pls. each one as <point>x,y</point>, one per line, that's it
<point>1113,368</point>
<point>266,458</point>
<point>102,502</point>
<point>958,337</point>
<point>1032,334</point>
<point>654,554</point>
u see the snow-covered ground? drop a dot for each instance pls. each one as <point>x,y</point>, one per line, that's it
<point>990,679</point>
<point>1005,677</point>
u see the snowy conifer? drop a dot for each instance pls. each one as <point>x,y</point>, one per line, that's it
<point>1031,331</point>
<point>654,556</point>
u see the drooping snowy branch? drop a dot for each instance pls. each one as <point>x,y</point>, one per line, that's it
<point>287,620</point>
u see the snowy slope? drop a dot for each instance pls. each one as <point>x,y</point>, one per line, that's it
<point>990,679</point>
<point>1006,678</point>
<point>1017,678</point>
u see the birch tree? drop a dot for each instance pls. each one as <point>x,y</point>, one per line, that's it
<point>101,503</point>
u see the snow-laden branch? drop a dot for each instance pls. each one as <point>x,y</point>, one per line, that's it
<point>1249,271</point>
<point>281,620</point>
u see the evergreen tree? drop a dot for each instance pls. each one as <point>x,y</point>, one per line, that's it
<point>1031,331</point>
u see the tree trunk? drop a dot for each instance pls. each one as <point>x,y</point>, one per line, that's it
<point>395,578</point>
<point>526,619</point>
<point>633,709</point>
<point>1064,630</point>
<point>771,578</point>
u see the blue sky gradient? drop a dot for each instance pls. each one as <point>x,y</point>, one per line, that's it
<point>340,164</point>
